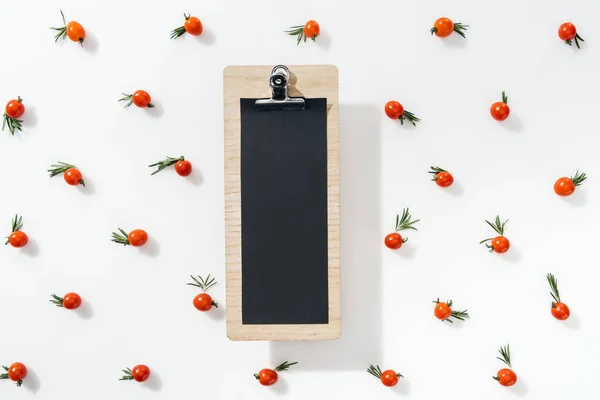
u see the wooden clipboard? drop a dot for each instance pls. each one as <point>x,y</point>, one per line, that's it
<point>308,81</point>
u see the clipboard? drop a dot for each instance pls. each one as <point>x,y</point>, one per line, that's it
<point>282,205</point>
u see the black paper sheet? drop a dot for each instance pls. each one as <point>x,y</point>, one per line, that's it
<point>284,214</point>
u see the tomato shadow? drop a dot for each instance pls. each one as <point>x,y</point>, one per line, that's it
<point>519,389</point>
<point>207,37</point>
<point>455,41</point>
<point>513,124</point>
<point>91,44</point>
<point>577,199</point>
<point>402,388</point>
<point>195,178</point>
<point>281,387</point>
<point>154,382</point>
<point>323,40</point>
<point>217,313</point>
<point>29,117</point>
<point>31,381</point>
<point>407,251</point>
<point>573,322</point>
<point>456,189</point>
<point>455,324</point>
<point>513,255</point>
<point>361,263</point>
<point>31,249</point>
<point>151,248</point>
<point>156,111</point>
<point>89,187</point>
<point>85,311</point>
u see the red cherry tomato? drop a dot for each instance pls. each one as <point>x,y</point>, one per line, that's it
<point>203,302</point>
<point>137,237</point>
<point>393,109</point>
<point>312,29</point>
<point>444,179</point>
<point>193,26</point>
<point>73,177</point>
<point>389,378</point>
<point>71,301</point>
<point>500,244</point>
<point>141,98</point>
<point>140,373</point>
<point>564,186</point>
<point>18,239</point>
<point>393,241</point>
<point>443,27</point>
<point>560,311</point>
<point>506,377</point>
<point>183,168</point>
<point>17,372</point>
<point>75,32</point>
<point>500,111</point>
<point>442,311</point>
<point>15,108</point>
<point>267,377</point>
<point>567,31</point>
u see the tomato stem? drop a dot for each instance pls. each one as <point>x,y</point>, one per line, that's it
<point>284,366</point>
<point>410,117</point>
<point>504,98</point>
<point>12,124</point>
<point>554,289</point>
<point>128,375</point>
<point>203,283</point>
<point>505,355</point>
<point>578,178</point>
<point>58,301</point>
<point>460,28</point>
<point>434,171</point>
<point>297,31</point>
<point>375,371</point>
<point>62,32</point>
<point>433,30</point>
<point>165,163</point>
<point>122,238</point>
<point>404,222</point>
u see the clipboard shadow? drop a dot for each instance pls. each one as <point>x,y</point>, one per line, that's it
<point>360,192</point>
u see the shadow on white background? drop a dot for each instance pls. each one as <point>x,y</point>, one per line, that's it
<point>360,196</point>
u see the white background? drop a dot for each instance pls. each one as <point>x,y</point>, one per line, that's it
<point>137,308</point>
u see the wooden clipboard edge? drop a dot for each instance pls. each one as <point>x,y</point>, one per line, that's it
<point>311,81</point>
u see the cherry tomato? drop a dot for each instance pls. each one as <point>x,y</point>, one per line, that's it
<point>141,98</point>
<point>444,179</point>
<point>506,377</point>
<point>567,31</point>
<point>389,378</point>
<point>203,302</point>
<point>393,109</point>
<point>564,186</point>
<point>137,237</point>
<point>500,111</point>
<point>15,108</point>
<point>442,311</point>
<point>500,244</point>
<point>71,301</point>
<point>183,168</point>
<point>18,239</point>
<point>193,26</point>
<point>73,176</point>
<point>75,32</point>
<point>267,377</point>
<point>443,27</point>
<point>312,29</point>
<point>140,373</point>
<point>17,372</point>
<point>560,311</point>
<point>393,241</point>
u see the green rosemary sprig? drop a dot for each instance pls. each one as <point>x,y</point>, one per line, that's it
<point>284,366</point>
<point>17,224</point>
<point>177,32</point>
<point>505,355</point>
<point>165,163</point>
<point>12,123</point>
<point>128,375</point>
<point>577,39</point>
<point>128,98</point>
<point>554,289</point>
<point>496,226</point>
<point>62,32</point>
<point>58,301</point>
<point>410,117</point>
<point>122,238</point>
<point>297,31</point>
<point>4,376</point>
<point>404,222</point>
<point>578,178</point>
<point>434,171</point>
<point>460,29</point>
<point>504,98</point>
<point>375,371</point>
<point>203,283</point>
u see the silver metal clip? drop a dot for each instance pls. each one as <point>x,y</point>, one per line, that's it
<point>280,100</point>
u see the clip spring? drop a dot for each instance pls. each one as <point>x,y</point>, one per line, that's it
<point>279,81</point>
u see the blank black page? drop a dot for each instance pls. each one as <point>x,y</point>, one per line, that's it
<point>284,214</point>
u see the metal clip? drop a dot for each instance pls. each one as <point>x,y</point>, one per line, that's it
<point>280,100</point>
